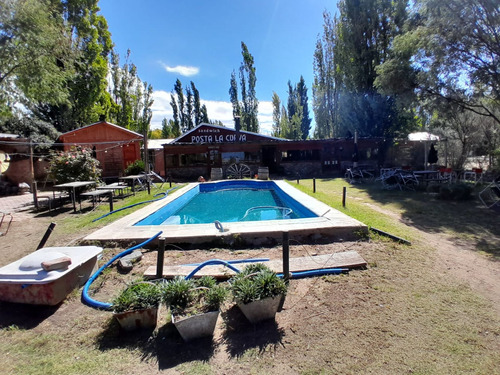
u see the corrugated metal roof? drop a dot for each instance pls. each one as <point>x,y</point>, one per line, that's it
<point>157,144</point>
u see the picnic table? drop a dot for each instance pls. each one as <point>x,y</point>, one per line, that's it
<point>95,196</point>
<point>72,187</point>
<point>133,180</point>
<point>116,187</point>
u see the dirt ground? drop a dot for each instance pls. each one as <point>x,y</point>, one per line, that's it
<point>455,258</point>
<point>297,326</point>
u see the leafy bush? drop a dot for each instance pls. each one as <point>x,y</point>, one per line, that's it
<point>76,164</point>
<point>256,281</point>
<point>137,167</point>
<point>137,296</point>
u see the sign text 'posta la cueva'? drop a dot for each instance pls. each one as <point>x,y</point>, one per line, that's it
<point>217,138</point>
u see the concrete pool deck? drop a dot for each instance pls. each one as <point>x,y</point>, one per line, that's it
<point>330,225</point>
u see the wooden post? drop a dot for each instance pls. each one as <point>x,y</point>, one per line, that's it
<point>314,185</point>
<point>343,196</point>
<point>160,258</point>
<point>286,257</point>
<point>46,236</point>
<point>32,166</point>
<point>110,194</point>
<point>34,189</point>
<point>286,265</point>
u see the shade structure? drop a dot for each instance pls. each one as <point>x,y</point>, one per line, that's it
<point>425,137</point>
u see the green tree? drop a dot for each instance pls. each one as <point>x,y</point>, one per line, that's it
<point>35,54</point>
<point>326,81</point>
<point>247,108</point>
<point>155,134</point>
<point>197,114</point>
<point>435,62</point>
<point>42,134</point>
<point>284,124</point>
<point>204,114</point>
<point>352,46</point>
<point>299,122</point>
<point>169,129</point>
<point>180,106</point>
<point>305,125</point>
<point>189,109</point>
<point>87,32</point>
<point>175,111</point>
<point>276,115</point>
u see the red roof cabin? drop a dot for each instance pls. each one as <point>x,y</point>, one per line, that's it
<point>114,146</point>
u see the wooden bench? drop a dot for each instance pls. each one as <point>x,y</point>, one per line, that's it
<point>122,189</point>
<point>95,196</point>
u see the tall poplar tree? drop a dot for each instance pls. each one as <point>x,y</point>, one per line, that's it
<point>276,115</point>
<point>247,108</point>
<point>181,105</point>
<point>352,46</point>
<point>305,125</point>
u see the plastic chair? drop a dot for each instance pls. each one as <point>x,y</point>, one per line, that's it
<point>490,195</point>
<point>353,175</point>
<point>408,179</point>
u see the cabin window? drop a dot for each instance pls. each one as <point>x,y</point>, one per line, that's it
<point>187,160</point>
<point>300,155</point>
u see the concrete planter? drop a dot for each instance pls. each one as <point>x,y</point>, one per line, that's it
<point>196,326</point>
<point>138,319</point>
<point>259,310</point>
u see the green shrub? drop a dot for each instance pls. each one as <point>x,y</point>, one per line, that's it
<point>137,167</point>
<point>256,281</point>
<point>189,297</point>
<point>137,296</point>
<point>178,293</point>
<point>77,164</point>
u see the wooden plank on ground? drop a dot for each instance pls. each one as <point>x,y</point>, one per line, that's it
<point>347,259</point>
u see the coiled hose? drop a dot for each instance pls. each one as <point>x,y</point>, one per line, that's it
<point>86,299</point>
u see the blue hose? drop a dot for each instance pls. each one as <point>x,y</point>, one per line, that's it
<point>294,275</point>
<point>322,272</point>
<point>85,293</point>
<point>165,194</point>
<point>255,260</point>
<point>211,263</point>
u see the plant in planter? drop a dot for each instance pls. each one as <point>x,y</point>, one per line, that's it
<point>258,292</point>
<point>137,306</point>
<point>194,305</point>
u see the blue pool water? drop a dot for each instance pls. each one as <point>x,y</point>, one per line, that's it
<point>229,201</point>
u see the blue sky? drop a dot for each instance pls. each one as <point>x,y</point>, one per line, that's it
<point>200,41</point>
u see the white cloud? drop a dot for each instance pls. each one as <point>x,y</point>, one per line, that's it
<point>217,110</point>
<point>186,71</point>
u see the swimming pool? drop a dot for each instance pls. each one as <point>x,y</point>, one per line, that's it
<point>229,201</point>
<point>319,222</point>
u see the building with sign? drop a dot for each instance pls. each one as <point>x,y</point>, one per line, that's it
<point>207,146</point>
